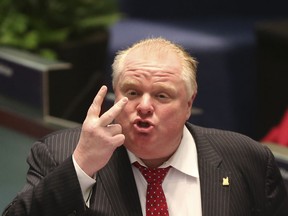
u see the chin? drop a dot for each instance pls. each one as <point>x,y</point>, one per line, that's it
<point>139,148</point>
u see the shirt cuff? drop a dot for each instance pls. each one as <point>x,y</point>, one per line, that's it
<point>86,182</point>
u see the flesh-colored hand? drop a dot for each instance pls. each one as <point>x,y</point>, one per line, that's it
<point>99,138</point>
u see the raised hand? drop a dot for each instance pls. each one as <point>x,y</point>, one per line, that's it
<point>99,138</point>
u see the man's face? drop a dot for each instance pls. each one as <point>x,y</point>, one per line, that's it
<point>158,105</point>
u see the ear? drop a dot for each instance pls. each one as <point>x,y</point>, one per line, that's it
<point>190,103</point>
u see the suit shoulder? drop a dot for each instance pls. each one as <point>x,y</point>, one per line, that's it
<point>228,141</point>
<point>60,144</point>
<point>63,135</point>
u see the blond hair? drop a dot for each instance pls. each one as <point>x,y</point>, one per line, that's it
<point>155,45</point>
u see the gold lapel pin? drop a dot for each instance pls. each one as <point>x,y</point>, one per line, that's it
<point>225,181</point>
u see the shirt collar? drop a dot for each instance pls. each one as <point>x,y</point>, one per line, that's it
<point>184,159</point>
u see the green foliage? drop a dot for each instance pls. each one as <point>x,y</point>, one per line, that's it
<point>34,24</point>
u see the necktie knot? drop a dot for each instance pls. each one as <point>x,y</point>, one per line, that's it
<point>152,175</point>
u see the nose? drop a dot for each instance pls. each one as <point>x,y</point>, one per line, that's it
<point>145,105</point>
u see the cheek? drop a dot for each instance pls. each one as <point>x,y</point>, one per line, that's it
<point>174,112</point>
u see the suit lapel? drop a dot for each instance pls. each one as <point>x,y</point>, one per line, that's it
<point>119,185</point>
<point>116,184</point>
<point>215,191</point>
<point>215,196</point>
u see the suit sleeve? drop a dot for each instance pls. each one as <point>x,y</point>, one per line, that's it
<point>276,193</point>
<point>51,188</point>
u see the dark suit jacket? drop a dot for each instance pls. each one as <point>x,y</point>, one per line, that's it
<point>52,188</point>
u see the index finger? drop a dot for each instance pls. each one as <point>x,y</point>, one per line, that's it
<point>95,108</point>
<point>113,112</point>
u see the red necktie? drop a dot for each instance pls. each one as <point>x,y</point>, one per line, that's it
<point>155,197</point>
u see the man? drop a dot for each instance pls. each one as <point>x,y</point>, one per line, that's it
<point>97,169</point>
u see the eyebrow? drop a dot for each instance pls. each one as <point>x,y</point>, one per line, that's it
<point>128,84</point>
<point>133,84</point>
<point>166,87</point>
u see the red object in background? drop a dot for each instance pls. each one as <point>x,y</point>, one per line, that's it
<point>279,133</point>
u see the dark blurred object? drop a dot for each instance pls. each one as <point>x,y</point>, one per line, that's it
<point>279,133</point>
<point>87,58</point>
<point>187,9</point>
<point>281,156</point>
<point>272,74</point>
<point>30,78</point>
<point>52,88</point>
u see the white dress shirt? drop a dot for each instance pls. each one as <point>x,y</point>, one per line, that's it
<point>86,182</point>
<point>181,185</point>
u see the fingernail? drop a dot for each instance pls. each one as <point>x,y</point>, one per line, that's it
<point>103,87</point>
<point>125,100</point>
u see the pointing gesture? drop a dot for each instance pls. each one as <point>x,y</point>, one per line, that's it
<point>99,139</point>
<point>110,115</point>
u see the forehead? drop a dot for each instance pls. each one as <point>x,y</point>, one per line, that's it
<point>153,59</point>
<point>150,67</point>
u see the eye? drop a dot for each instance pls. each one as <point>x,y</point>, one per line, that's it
<point>162,96</point>
<point>131,93</point>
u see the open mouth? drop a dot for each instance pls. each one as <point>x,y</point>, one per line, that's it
<point>142,124</point>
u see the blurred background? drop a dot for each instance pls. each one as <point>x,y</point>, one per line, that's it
<point>54,56</point>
